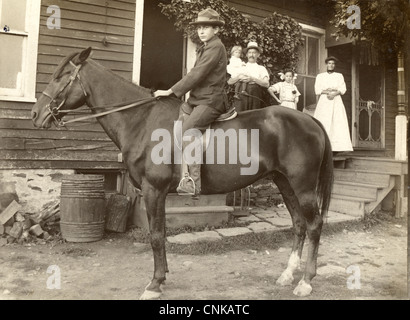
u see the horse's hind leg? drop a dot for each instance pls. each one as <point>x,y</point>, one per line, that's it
<point>314,222</point>
<point>155,206</point>
<point>165,253</point>
<point>299,226</point>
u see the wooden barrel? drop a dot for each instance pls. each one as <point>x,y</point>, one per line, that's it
<point>82,207</point>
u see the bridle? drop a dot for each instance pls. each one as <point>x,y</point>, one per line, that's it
<point>55,109</point>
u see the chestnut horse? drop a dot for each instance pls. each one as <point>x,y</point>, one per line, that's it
<point>293,149</point>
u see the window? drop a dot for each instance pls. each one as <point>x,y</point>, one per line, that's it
<point>310,56</point>
<point>19,25</point>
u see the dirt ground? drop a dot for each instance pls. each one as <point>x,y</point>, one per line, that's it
<point>119,268</point>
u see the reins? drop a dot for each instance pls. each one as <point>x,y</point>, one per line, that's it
<point>96,115</point>
<point>56,110</point>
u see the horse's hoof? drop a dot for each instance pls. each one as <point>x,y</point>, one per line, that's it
<point>303,289</point>
<point>285,279</point>
<point>150,295</point>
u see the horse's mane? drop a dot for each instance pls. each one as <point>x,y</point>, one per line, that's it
<point>143,91</point>
<point>62,64</point>
<point>60,68</point>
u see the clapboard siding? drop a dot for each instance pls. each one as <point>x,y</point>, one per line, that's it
<point>101,55</point>
<point>28,124</point>
<point>50,59</point>
<point>297,9</point>
<point>81,44</point>
<point>64,164</point>
<point>125,10</point>
<point>55,134</point>
<point>52,144</point>
<point>83,24</point>
<point>54,155</point>
<point>64,158</point>
<point>82,145</point>
<point>93,37</point>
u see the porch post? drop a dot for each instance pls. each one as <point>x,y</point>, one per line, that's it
<point>401,118</point>
<point>401,136</point>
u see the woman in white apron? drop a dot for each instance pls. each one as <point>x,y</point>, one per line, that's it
<point>330,110</point>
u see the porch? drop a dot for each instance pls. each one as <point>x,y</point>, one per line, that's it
<point>362,184</point>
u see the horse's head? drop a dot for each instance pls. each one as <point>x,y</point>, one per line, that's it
<point>66,91</point>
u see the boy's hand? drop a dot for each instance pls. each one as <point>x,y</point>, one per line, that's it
<point>162,93</point>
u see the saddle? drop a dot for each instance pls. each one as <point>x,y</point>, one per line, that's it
<point>184,112</point>
<point>228,115</point>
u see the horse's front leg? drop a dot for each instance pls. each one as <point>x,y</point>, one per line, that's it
<point>155,206</point>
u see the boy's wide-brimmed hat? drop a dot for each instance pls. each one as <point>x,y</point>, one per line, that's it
<point>208,17</point>
<point>331,58</point>
<point>252,45</point>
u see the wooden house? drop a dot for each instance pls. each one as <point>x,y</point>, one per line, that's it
<point>130,37</point>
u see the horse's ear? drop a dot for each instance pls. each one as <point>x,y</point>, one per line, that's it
<point>84,55</point>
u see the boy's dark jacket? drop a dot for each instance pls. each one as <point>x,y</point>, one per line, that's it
<point>207,78</point>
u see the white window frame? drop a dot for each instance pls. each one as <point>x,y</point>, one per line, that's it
<point>30,50</point>
<point>139,24</point>
<point>319,34</point>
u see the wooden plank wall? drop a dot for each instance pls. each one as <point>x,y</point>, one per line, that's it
<point>83,146</point>
<point>85,24</point>
<point>257,10</point>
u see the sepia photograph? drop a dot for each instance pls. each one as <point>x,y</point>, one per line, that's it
<point>208,151</point>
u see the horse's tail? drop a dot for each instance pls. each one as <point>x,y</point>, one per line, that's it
<point>325,183</point>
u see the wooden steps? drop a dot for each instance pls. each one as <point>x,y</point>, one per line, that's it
<point>362,176</point>
<point>208,210</point>
<point>385,165</point>
<point>348,205</point>
<point>184,210</point>
<point>361,184</point>
<point>175,200</point>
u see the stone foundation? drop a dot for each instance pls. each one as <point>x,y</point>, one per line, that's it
<point>32,189</point>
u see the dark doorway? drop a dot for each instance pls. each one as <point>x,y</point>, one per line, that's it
<point>162,49</point>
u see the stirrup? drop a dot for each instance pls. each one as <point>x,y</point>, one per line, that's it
<point>188,178</point>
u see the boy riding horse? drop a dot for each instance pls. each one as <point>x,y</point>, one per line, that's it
<point>206,80</point>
